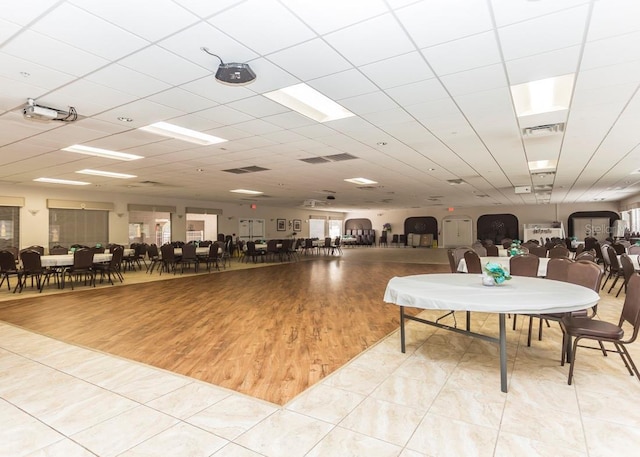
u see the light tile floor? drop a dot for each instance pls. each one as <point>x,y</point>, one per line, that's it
<point>440,398</point>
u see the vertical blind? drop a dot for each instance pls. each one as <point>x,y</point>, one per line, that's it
<point>76,226</point>
<point>9,227</point>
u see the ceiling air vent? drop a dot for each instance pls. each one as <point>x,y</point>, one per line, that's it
<point>251,169</point>
<point>543,130</point>
<point>340,157</point>
<point>455,182</point>
<point>315,160</point>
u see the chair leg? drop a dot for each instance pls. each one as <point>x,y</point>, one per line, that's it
<point>623,349</point>
<point>572,359</point>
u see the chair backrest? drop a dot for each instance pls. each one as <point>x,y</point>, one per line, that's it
<point>590,242</point>
<point>189,251</point>
<point>585,273</point>
<point>506,242</point>
<point>524,265</point>
<point>458,253</point>
<point>540,251</point>
<point>452,261</point>
<point>598,248</point>
<point>58,250</point>
<point>31,261</point>
<point>586,255</point>
<point>619,248</point>
<point>38,249</point>
<point>627,266</point>
<point>13,250</point>
<point>558,251</point>
<point>492,250</point>
<point>7,260</point>
<point>152,251</point>
<point>251,247</point>
<point>579,249</point>
<point>168,254</point>
<point>472,260</point>
<point>82,258</point>
<point>272,246</point>
<point>116,256</point>
<point>558,268</point>
<point>480,250</point>
<point>610,253</point>
<point>634,250</point>
<point>631,307</point>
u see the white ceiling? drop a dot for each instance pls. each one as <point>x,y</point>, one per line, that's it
<point>429,79</point>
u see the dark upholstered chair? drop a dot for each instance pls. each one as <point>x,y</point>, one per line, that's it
<point>472,260</point>
<point>580,328</point>
<point>524,265</point>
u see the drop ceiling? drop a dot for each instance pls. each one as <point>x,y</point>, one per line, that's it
<point>428,82</point>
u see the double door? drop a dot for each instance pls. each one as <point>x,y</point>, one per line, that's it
<point>457,232</point>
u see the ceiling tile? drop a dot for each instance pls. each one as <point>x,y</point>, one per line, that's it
<point>479,79</point>
<point>392,42</point>
<point>369,103</point>
<point>438,21</point>
<point>614,17</point>
<point>545,65</point>
<point>126,80</point>
<point>16,11</point>
<point>246,23</point>
<point>163,65</point>
<point>509,12</point>
<point>68,22</point>
<point>464,54</point>
<point>182,100</point>
<point>164,18</point>
<point>398,71</point>
<point>342,85</point>
<point>310,60</point>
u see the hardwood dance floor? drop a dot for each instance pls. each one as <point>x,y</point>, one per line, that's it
<point>267,332</point>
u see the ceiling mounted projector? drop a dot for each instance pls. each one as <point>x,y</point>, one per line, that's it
<point>42,113</point>
<point>233,74</point>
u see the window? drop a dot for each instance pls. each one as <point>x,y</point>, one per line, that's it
<point>149,227</point>
<point>316,228</point>
<point>77,226</point>
<point>335,228</point>
<point>9,226</point>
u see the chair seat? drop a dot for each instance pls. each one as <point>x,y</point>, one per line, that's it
<point>592,328</point>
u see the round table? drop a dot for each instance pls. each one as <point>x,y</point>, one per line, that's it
<point>465,292</point>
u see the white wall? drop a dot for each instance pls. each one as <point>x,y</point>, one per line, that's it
<point>34,228</point>
<point>526,214</point>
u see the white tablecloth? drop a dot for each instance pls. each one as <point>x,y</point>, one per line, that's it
<point>200,251</point>
<point>67,259</point>
<point>504,261</point>
<point>458,292</point>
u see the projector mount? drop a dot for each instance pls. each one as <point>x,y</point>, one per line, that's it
<point>33,111</point>
<point>233,74</point>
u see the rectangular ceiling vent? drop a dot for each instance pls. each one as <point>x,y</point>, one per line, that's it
<point>251,169</point>
<point>315,160</point>
<point>543,130</point>
<point>455,182</point>
<point>331,158</point>
<point>340,157</point>
<point>366,187</point>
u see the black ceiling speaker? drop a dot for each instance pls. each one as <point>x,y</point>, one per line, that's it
<point>234,74</point>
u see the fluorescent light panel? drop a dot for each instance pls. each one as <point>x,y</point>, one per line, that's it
<point>361,181</point>
<point>543,95</point>
<point>62,181</point>
<point>246,191</point>
<point>91,151</point>
<point>542,165</point>
<point>309,102</point>
<point>181,133</point>
<point>107,174</point>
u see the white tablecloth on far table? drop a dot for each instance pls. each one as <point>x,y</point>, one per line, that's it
<point>200,251</point>
<point>67,259</point>
<point>504,262</point>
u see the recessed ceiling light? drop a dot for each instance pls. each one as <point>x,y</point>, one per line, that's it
<point>309,102</point>
<point>543,95</point>
<point>361,181</point>
<point>88,150</point>
<point>25,74</point>
<point>246,191</point>
<point>181,133</point>
<point>381,143</point>
<point>540,165</point>
<point>199,170</point>
<point>125,119</point>
<point>62,181</point>
<point>432,169</point>
<point>108,174</point>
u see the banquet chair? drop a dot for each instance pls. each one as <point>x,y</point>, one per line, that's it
<point>337,245</point>
<point>188,258</point>
<point>452,261</point>
<point>394,239</point>
<point>586,255</point>
<point>82,268</point>
<point>8,267</point>
<point>492,250</point>
<point>524,265</point>
<point>580,329</point>
<point>154,257</point>
<point>619,248</point>
<point>627,271</point>
<point>168,258</point>
<point>32,268</point>
<point>506,242</point>
<point>58,250</point>
<point>472,260</point>
<point>112,267</point>
<point>634,250</point>
<point>214,257</point>
<point>540,251</point>
<point>480,250</point>
<point>615,269</point>
<point>458,253</point>
<point>558,251</point>
<point>557,270</point>
<point>254,253</point>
